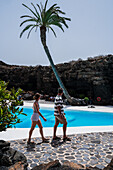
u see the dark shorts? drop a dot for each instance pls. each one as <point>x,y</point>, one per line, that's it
<point>62,120</point>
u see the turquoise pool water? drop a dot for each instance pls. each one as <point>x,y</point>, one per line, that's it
<point>74,118</point>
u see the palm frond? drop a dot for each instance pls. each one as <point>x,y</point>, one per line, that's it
<point>61,12</point>
<point>39,8</point>
<point>24,16</point>
<point>45,5</point>
<point>42,13</point>
<point>57,24</point>
<point>54,10</point>
<point>25,29</point>
<point>30,10</point>
<point>62,20</point>
<point>35,9</point>
<point>42,8</point>
<point>50,12</point>
<point>69,19</point>
<point>51,7</point>
<point>36,27</point>
<point>33,20</point>
<point>30,31</point>
<point>52,31</point>
<point>53,18</point>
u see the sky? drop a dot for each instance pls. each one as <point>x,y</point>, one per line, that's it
<point>90,32</point>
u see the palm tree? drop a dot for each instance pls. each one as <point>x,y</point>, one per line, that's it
<point>44,19</point>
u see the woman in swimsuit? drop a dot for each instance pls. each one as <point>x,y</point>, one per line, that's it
<point>35,119</point>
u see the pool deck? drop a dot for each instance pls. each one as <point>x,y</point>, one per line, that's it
<point>89,146</point>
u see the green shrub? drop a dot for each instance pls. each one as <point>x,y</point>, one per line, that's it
<point>86,98</point>
<point>9,106</point>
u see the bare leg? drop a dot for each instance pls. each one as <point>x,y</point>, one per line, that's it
<point>64,130</point>
<point>41,129</point>
<point>55,127</point>
<point>65,138</point>
<point>31,130</point>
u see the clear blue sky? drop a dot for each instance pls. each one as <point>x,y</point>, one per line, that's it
<point>90,32</point>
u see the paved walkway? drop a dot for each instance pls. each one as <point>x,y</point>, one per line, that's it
<point>90,149</point>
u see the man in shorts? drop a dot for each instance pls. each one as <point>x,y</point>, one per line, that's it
<point>59,116</point>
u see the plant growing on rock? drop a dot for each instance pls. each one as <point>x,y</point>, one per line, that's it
<point>44,19</point>
<point>9,106</point>
<point>86,99</point>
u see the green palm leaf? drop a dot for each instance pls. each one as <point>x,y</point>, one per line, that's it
<point>31,30</point>
<point>59,11</point>
<point>42,8</point>
<point>30,10</point>
<point>25,29</point>
<point>49,12</point>
<point>52,31</point>
<point>45,5</point>
<point>36,10</point>
<point>24,16</point>
<point>68,19</point>
<point>62,20</point>
<point>57,24</point>
<point>39,8</point>
<point>33,19</point>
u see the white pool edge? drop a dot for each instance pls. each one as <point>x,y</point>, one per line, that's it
<point>22,133</point>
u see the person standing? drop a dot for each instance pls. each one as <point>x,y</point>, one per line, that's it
<point>59,116</point>
<point>36,120</point>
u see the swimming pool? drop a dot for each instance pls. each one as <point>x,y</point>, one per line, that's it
<point>75,118</point>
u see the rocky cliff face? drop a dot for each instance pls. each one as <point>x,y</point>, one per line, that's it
<point>92,78</point>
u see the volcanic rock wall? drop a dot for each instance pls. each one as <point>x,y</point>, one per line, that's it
<point>92,78</point>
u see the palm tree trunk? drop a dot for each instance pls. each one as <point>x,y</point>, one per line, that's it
<point>57,74</point>
<point>43,40</point>
<point>72,100</point>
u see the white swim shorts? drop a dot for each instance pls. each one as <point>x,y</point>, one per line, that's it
<point>35,117</point>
